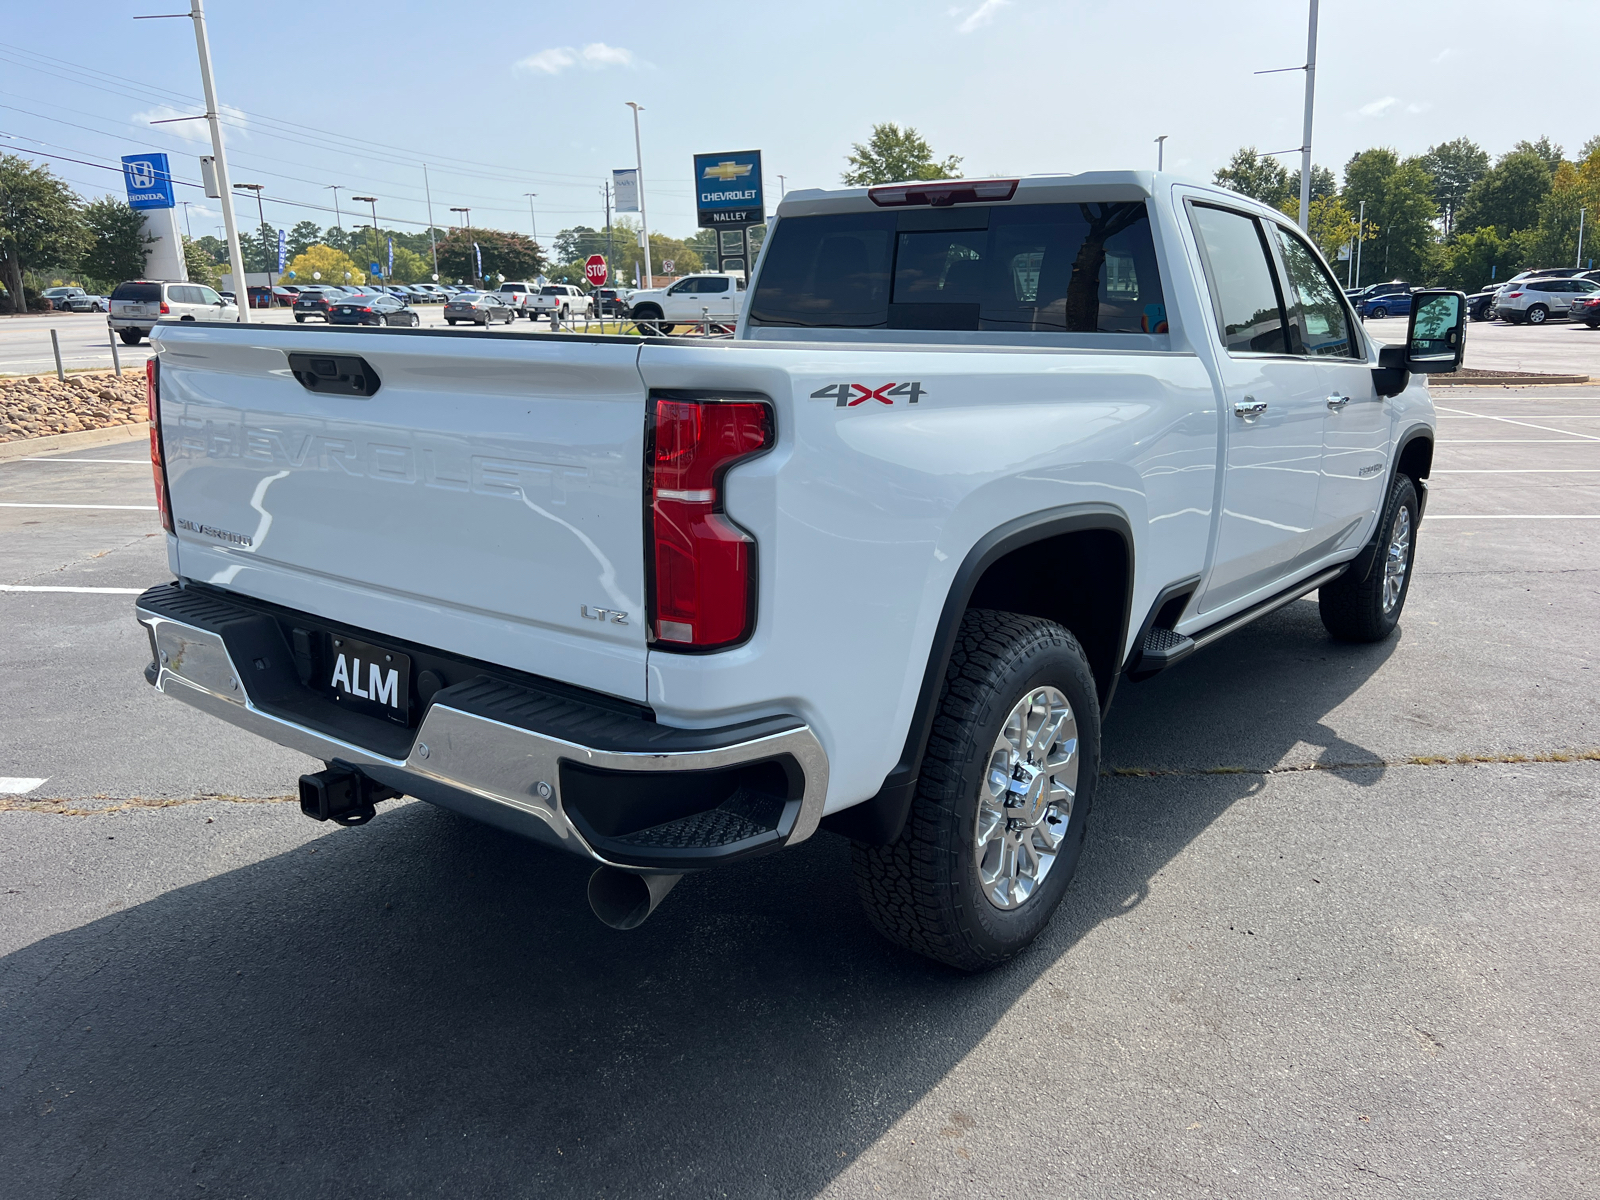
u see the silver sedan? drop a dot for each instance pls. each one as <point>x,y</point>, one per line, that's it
<point>479,308</point>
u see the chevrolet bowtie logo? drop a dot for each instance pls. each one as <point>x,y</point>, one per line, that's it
<point>727,171</point>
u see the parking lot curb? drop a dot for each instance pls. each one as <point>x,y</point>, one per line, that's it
<point>1504,380</point>
<point>81,440</point>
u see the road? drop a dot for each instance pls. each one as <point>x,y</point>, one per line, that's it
<point>1295,962</point>
<point>1556,348</point>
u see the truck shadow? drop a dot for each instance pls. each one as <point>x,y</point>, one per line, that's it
<point>426,1006</point>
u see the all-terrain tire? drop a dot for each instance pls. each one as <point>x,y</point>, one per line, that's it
<point>923,891</point>
<point>1367,610</point>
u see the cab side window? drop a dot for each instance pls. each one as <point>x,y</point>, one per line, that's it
<point>714,283</point>
<point>1244,291</point>
<point>1318,326</point>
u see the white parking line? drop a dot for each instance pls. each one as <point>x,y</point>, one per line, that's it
<point>132,462</point>
<point>134,507</point>
<point>1513,442</point>
<point>18,587</point>
<point>1521,471</point>
<point>1589,437</point>
<point>18,785</point>
<point>1512,517</point>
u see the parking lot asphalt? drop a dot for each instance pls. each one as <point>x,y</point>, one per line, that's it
<point>1309,952</point>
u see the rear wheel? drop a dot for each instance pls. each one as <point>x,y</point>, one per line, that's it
<point>416,320</point>
<point>1379,313</point>
<point>1538,315</point>
<point>299,319</point>
<point>1367,610</point>
<point>130,337</point>
<point>1002,801</point>
<point>449,320</point>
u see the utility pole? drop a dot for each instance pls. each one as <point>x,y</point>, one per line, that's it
<point>1361,223</point>
<point>235,255</point>
<point>1161,150</point>
<point>532,220</point>
<point>372,200</point>
<point>644,217</point>
<point>338,221</point>
<point>1305,146</point>
<point>783,186</point>
<point>257,188</point>
<point>1579,263</point>
<point>189,229</point>
<point>466,221</point>
<point>606,191</point>
<point>433,248</point>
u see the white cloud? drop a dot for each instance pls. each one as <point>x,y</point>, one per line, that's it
<point>1378,107</point>
<point>982,15</point>
<point>193,131</point>
<point>593,57</point>
<point>1442,55</point>
<point>1422,107</point>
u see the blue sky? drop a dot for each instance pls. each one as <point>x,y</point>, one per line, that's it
<point>501,99</point>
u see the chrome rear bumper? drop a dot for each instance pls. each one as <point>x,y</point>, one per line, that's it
<point>504,773</point>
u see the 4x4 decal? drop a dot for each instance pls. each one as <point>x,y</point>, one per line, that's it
<point>848,395</point>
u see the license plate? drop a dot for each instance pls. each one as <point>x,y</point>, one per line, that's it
<point>367,679</point>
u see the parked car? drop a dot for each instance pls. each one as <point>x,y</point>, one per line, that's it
<point>1538,300</point>
<point>691,298</point>
<point>1392,304</point>
<point>86,302</point>
<point>436,293</point>
<point>478,308</point>
<point>137,305</point>
<point>1585,309</point>
<point>560,302</point>
<point>1480,305</point>
<point>374,310</point>
<point>859,596</point>
<point>58,296</point>
<point>315,302</point>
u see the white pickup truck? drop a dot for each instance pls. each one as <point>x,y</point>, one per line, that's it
<point>719,295</point>
<point>558,301</point>
<point>978,451</point>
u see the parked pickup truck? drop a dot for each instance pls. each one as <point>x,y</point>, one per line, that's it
<point>692,298</point>
<point>977,451</point>
<point>558,301</point>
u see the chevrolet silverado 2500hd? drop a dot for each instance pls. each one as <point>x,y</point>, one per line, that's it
<point>977,451</point>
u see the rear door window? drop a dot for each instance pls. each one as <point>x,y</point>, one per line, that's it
<point>1244,293</point>
<point>714,284</point>
<point>1043,268</point>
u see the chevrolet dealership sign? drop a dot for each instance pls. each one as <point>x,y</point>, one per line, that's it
<point>728,189</point>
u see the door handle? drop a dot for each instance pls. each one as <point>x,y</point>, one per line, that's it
<point>1336,401</point>
<point>1249,407</point>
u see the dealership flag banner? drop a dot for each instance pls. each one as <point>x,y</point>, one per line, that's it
<point>477,255</point>
<point>389,274</point>
<point>283,251</point>
<point>625,184</point>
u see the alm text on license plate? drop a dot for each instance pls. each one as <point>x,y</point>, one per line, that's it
<point>368,679</point>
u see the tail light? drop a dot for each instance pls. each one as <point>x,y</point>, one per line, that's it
<point>703,586</point>
<point>158,457</point>
<point>1512,295</point>
<point>164,309</point>
<point>366,310</point>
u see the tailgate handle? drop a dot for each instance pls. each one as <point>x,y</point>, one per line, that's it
<point>334,374</point>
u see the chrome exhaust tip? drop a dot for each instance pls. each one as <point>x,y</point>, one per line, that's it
<point>624,899</point>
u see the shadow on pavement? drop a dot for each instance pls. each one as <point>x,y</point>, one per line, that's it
<point>425,1006</point>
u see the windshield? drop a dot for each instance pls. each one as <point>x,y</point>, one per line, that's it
<point>1020,268</point>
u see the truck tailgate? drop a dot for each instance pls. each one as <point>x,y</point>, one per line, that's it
<point>483,501</point>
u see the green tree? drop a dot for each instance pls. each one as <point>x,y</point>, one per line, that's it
<point>40,223</point>
<point>1455,167</point>
<point>213,248</point>
<point>304,233</point>
<point>1471,260</point>
<point>1399,199</point>
<point>1508,196</point>
<point>1259,176</point>
<point>118,243</point>
<point>1545,149</point>
<point>513,255</point>
<point>409,266</point>
<point>1556,237</point>
<point>199,265</point>
<point>337,237</point>
<point>893,155</point>
<point>1333,225</point>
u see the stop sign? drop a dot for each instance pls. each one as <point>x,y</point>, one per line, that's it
<point>594,270</point>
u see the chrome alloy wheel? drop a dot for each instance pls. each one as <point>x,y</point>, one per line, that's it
<point>1026,798</point>
<point>1398,560</point>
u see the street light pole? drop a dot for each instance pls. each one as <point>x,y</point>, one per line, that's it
<point>266,261</point>
<point>338,221</point>
<point>1579,263</point>
<point>644,217</point>
<point>235,255</point>
<point>1361,222</point>
<point>783,186</point>
<point>433,247</point>
<point>372,200</point>
<point>189,229</point>
<point>532,220</point>
<point>466,221</point>
<point>1305,145</point>
<point>1161,151</point>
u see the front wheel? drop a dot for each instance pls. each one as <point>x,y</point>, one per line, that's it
<point>1002,800</point>
<point>416,320</point>
<point>1379,313</point>
<point>1538,315</point>
<point>1356,609</point>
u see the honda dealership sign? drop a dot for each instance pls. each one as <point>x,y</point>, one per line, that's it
<point>728,188</point>
<point>149,181</point>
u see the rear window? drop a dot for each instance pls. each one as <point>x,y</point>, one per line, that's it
<point>550,291</point>
<point>137,291</point>
<point>1043,268</point>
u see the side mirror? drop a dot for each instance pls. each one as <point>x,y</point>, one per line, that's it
<point>1436,338</point>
